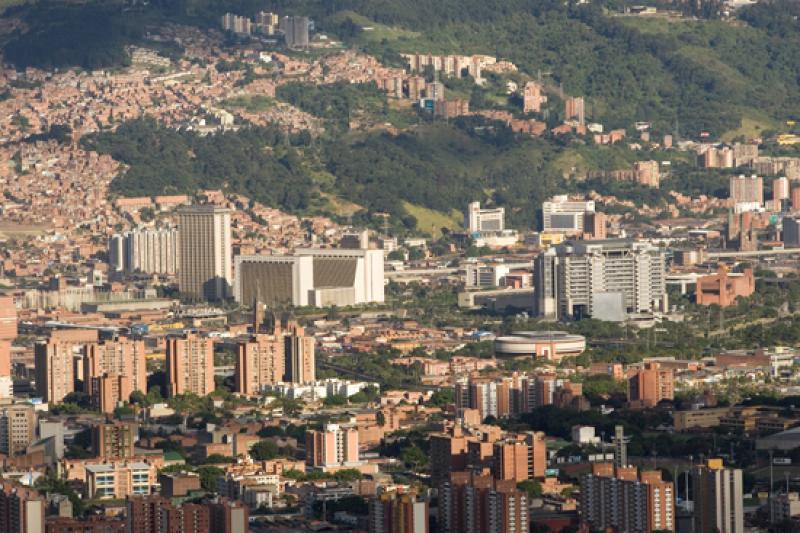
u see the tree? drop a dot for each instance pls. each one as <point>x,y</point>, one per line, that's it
<point>414,457</point>
<point>531,487</point>
<point>208,477</point>
<point>264,450</point>
<point>347,474</point>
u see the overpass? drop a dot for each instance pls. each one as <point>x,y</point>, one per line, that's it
<point>752,253</point>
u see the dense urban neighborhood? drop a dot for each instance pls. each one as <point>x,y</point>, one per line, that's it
<point>505,266</point>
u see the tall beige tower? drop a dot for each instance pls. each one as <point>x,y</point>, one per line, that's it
<point>205,253</point>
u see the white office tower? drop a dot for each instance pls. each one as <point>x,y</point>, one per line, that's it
<point>607,280</point>
<point>563,215</point>
<point>205,252</point>
<point>482,220</point>
<point>319,277</point>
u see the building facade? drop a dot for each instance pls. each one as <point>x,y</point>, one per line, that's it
<point>205,252</point>
<point>190,364</point>
<point>607,280</point>
<point>718,501</point>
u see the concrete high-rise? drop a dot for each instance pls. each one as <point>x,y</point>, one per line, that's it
<point>295,31</point>
<point>574,108</point>
<point>205,252</point>
<point>55,369</point>
<point>532,98</point>
<point>332,447</point>
<point>21,509</point>
<point>299,357</point>
<point>112,370</point>
<point>394,512</point>
<point>260,362</point>
<point>650,385</point>
<point>565,215</point>
<point>190,364</point>
<point>625,500</point>
<point>479,220</point>
<point>113,440</point>
<point>718,500</point>
<point>477,503</point>
<point>607,280</point>
<point>747,189</point>
<point>150,251</point>
<point>17,428</point>
<point>8,332</point>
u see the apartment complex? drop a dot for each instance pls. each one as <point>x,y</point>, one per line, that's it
<point>718,500</point>
<point>532,97</point>
<point>54,362</point>
<point>295,31</point>
<point>113,440</point>
<point>393,512</point>
<point>190,364</point>
<point>747,189</point>
<point>21,509</point>
<point>608,280</point>
<point>150,251</point>
<point>112,370</point>
<point>482,504</point>
<point>205,252</point>
<point>318,277</point>
<point>119,479</point>
<point>282,354</point>
<point>625,500</point>
<point>8,332</point>
<point>650,385</point>
<point>17,428</point>
<point>332,448</point>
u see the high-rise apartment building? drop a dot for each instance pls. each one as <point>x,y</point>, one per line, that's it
<point>55,369</point>
<point>574,109</point>
<point>332,447</point>
<point>17,428</point>
<point>650,385</point>
<point>480,220</point>
<point>564,215</point>
<point>113,440</point>
<point>21,509</point>
<point>8,332</point>
<point>601,279</point>
<point>150,251</point>
<point>747,189</point>
<point>205,252</point>
<point>780,189</point>
<point>532,97</point>
<point>260,362</point>
<point>647,173</point>
<point>295,31</point>
<point>481,504</point>
<point>299,357</point>
<point>112,370</point>
<point>718,499</point>
<point>393,512</point>
<point>510,460</point>
<point>625,500</point>
<point>190,364</point>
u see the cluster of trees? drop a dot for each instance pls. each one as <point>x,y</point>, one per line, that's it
<point>262,163</point>
<point>337,102</point>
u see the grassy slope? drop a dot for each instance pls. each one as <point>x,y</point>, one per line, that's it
<point>430,221</point>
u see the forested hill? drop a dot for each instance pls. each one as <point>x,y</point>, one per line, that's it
<point>706,75</point>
